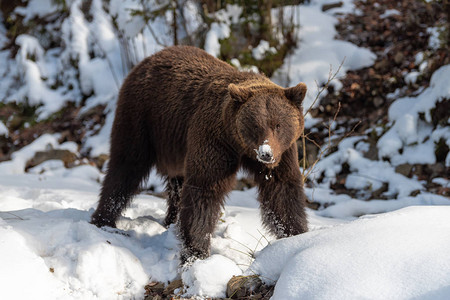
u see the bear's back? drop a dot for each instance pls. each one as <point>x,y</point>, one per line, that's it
<point>166,92</point>
<point>190,60</point>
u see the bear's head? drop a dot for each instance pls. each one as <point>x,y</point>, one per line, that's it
<point>268,118</point>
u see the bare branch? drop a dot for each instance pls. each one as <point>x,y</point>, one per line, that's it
<point>331,77</point>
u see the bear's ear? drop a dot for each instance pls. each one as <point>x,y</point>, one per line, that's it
<point>238,93</point>
<point>296,94</point>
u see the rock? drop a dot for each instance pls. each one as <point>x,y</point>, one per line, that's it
<point>404,169</point>
<point>376,194</point>
<point>378,101</point>
<point>414,193</point>
<point>313,205</point>
<point>154,290</point>
<point>372,153</point>
<point>175,284</point>
<point>243,286</point>
<point>382,65</point>
<point>326,7</point>
<point>100,160</point>
<point>39,157</point>
<point>436,170</point>
<point>399,58</point>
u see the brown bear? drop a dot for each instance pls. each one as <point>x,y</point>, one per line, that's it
<point>198,120</point>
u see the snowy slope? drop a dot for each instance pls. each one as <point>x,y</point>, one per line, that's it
<point>398,255</point>
<point>48,250</point>
<point>48,246</point>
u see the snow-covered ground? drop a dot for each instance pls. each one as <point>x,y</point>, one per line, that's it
<point>48,249</point>
<point>379,249</point>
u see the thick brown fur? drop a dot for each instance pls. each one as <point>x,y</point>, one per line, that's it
<point>198,120</point>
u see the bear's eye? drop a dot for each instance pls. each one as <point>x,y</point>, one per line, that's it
<point>277,127</point>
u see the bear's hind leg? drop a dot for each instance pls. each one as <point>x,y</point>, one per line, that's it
<point>173,187</point>
<point>121,182</point>
<point>131,159</point>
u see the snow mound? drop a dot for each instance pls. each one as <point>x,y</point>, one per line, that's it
<point>411,139</point>
<point>27,272</point>
<point>209,277</point>
<point>397,255</point>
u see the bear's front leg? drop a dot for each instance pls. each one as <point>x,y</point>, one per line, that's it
<point>202,198</point>
<point>282,197</point>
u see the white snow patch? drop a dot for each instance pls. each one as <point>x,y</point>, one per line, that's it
<point>353,208</point>
<point>221,29</point>
<point>434,42</point>
<point>390,12</point>
<point>378,257</point>
<point>408,129</point>
<point>24,273</point>
<point>411,77</point>
<point>3,130</point>
<point>260,51</point>
<point>33,68</point>
<point>262,150</point>
<point>37,8</point>
<point>209,277</point>
<point>216,33</point>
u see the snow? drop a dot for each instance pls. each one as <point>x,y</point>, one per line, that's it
<point>319,51</point>
<point>46,217</point>
<point>221,30</point>
<point>217,32</point>
<point>51,214</point>
<point>262,150</point>
<point>3,129</point>
<point>365,172</point>
<point>27,273</point>
<point>411,77</point>
<point>45,220</point>
<point>408,128</point>
<point>35,89</point>
<point>260,51</point>
<point>351,208</point>
<point>395,248</point>
<point>434,41</point>
<point>387,256</point>
<point>19,158</point>
<point>390,12</point>
<point>209,277</point>
<point>36,8</point>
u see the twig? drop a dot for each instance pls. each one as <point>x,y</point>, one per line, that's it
<point>331,77</point>
<point>7,212</point>
<point>242,252</point>
<point>257,244</point>
<point>268,242</point>
<point>312,141</point>
<point>147,19</point>
<point>329,145</point>
<point>242,244</point>
<point>111,67</point>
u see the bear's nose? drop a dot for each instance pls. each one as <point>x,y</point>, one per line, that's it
<point>266,157</point>
<point>264,153</point>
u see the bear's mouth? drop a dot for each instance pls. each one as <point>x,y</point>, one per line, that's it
<point>264,153</point>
